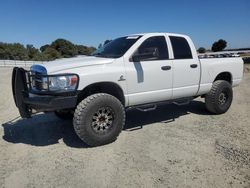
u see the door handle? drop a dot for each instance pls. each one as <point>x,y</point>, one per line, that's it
<point>166,68</point>
<point>193,65</point>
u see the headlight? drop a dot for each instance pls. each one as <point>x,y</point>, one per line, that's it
<point>56,83</point>
<point>67,83</point>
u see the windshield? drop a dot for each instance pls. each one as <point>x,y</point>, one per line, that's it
<point>116,48</point>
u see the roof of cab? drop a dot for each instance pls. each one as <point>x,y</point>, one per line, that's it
<point>157,33</point>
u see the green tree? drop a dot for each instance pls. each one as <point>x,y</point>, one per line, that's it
<point>64,47</point>
<point>219,45</point>
<point>40,57</point>
<point>91,49</point>
<point>82,50</point>
<point>3,51</point>
<point>17,51</point>
<point>32,51</point>
<point>14,51</point>
<point>50,54</point>
<point>201,50</point>
<point>58,49</point>
<point>43,48</point>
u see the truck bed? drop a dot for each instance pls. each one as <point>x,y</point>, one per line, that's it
<point>211,67</point>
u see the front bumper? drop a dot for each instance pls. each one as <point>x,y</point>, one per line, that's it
<point>27,102</point>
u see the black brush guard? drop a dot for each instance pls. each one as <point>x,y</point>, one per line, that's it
<point>21,88</point>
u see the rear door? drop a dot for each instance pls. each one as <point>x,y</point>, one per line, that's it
<point>186,68</point>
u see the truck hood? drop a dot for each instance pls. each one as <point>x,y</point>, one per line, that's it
<point>71,63</point>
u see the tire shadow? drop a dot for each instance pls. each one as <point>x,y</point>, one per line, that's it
<point>41,130</point>
<point>164,114</point>
<point>47,129</point>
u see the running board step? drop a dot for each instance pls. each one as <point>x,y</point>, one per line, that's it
<point>182,102</point>
<point>153,106</point>
<point>146,108</point>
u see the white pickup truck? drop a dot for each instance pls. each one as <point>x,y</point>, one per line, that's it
<point>136,71</point>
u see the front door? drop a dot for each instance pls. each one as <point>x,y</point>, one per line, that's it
<point>150,78</point>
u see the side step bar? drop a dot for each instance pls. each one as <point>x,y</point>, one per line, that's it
<point>182,102</point>
<point>146,108</point>
<point>153,106</point>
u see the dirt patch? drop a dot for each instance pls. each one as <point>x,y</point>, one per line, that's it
<point>173,146</point>
<point>239,156</point>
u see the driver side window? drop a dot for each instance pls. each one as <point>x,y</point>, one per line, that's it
<point>153,48</point>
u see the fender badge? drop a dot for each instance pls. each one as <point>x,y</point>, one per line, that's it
<point>122,78</point>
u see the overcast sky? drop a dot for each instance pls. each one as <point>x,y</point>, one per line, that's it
<point>91,22</point>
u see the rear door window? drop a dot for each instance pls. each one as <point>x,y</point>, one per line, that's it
<point>181,48</point>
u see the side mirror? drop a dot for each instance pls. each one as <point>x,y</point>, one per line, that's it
<point>136,58</point>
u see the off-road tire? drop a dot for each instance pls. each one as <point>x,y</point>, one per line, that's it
<point>84,114</point>
<point>212,99</point>
<point>64,114</point>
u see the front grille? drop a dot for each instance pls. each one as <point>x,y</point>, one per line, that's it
<point>37,77</point>
<point>38,83</point>
<point>36,80</point>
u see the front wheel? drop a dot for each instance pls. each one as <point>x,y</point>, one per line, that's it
<point>99,119</point>
<point>220,97</point>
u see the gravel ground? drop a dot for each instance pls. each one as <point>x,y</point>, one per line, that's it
<point>169,147</point>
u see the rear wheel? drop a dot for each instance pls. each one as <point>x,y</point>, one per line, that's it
<point>99,119</point>
<point>220,97</point>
